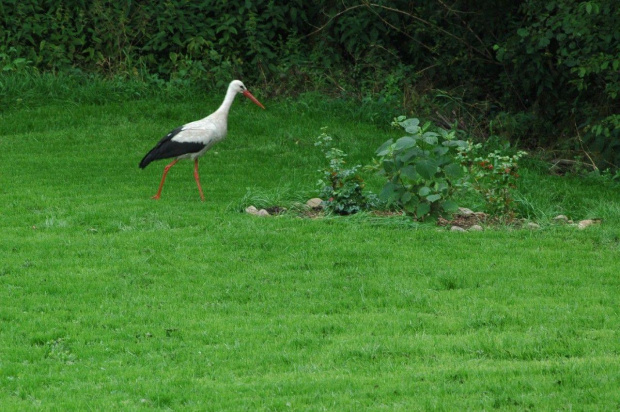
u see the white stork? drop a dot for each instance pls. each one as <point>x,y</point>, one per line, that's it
<point>192,140</point>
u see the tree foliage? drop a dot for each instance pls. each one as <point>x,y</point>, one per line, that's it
<point>175,38</point>
<point>564,59</point>
<point>549,71</point>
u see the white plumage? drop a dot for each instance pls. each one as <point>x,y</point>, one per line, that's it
<point>194,139</point>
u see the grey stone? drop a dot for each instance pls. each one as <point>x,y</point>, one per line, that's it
<point>315,202</point>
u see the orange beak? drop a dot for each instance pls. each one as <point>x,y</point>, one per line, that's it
<point>249,96</point>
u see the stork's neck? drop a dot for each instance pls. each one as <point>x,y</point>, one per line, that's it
<point>228,100</point>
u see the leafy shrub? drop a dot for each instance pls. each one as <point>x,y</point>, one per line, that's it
<point>602,138</point>
<point>213,39</point>
<point>493,175</point>
<point>9,62</point>
<point>422,169</point>
<point>562,64</point>
<point>342,187</point>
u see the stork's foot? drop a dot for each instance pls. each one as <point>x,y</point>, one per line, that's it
<point>156,197</point>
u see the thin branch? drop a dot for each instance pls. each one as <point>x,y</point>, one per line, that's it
<point>489,58</point>
<point>348,9</point>
<point>399,30</point>
<point>453,10</point>
<point>425,69</point>
<point>514,88</point>
<point>466,25</point>
<point>582,148</point>
<point>570,162</point>
<point>444,31</point>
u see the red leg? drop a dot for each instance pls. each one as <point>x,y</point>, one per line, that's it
<point>163,178</point>
<point>202,196</point>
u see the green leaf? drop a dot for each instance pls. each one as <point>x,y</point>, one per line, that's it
<point>389,192</point>
<point>423,209</point>
<point>426,168</point>
<point>522,32</point>
<point>409,172</point>
<point>441,150</point>
<point>403,143</point>
<point>384,148</point>
<point>430,138</point>
<point>455,143</point>
<point>462,143</point>
<point>411,206</point>
<point>411,125</point>
<point>444,160</point>
<point>424,191</point>
<point>398,163</point>
<point>388,166</point>
<point>410,154</point>
<point>433,198</point>
<point>441,186</point>
<point>453,170</point>
<point>449,206</point>
<point>543,42</point>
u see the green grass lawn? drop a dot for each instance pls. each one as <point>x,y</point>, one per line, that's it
<point>113,301</point>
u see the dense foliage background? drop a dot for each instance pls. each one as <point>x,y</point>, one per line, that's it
<point>539,73</point>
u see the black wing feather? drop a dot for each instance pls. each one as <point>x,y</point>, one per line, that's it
<point>166,148</point>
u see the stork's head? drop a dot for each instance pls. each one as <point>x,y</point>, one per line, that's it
<point>239,87</point>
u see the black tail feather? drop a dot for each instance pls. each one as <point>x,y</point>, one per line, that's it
<point>169,149</point>
<point>160,149</point>
<point>147,159</point>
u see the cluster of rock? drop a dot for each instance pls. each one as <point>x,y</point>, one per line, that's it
<point>256,212</point>
<point>582,224</point>
<point>468,220</point>
<point>314,204</point>
<point>462,221</point>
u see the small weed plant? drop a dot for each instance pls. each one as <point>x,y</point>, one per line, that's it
<point>342,187</point>
<point>492,175</point>
<point>422,168</point>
